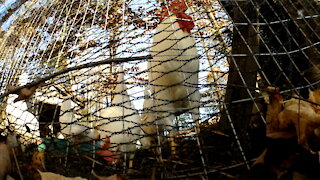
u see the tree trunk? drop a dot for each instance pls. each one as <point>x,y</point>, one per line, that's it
<point>243,69</point>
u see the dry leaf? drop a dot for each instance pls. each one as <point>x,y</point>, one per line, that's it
<point>38,161</point>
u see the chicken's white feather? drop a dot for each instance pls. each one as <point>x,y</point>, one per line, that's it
<point>120,122</point>
<point>73,128</point>
<point>173,75</point>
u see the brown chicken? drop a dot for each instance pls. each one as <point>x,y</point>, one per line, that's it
<point>288,122</point>
<point>37,164</point>
<point>275,102</point>
<point>314,96</point>
<point>303,116</point>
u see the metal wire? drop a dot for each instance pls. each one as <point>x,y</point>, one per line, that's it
<point>68,34</point>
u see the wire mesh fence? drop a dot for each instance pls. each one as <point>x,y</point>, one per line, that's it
<point>150,89</point>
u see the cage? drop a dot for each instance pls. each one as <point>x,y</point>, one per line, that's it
<point>159,89</point>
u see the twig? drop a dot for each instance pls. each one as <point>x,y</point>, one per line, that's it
<point>93,160</point>
<point>172,161</point>
<point>87,65</point>
<point>210,170</point>
<point>228,175</point>
<point>74,97</point>
<point>16,160</point>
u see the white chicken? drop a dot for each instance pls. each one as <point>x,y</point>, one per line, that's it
<point>119,125</point>
<point>24,123</point>
<point>173,71</point>
<point>78,132</point>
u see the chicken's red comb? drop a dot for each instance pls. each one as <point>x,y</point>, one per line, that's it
<point>278,97</point>
<point>177,6</point>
